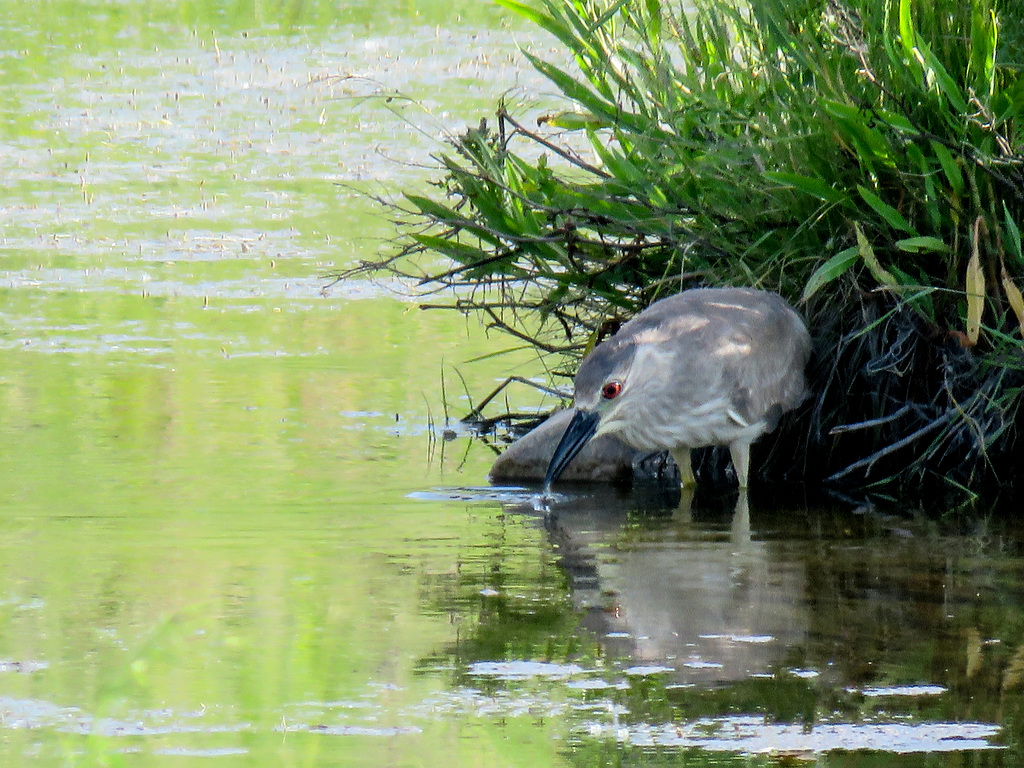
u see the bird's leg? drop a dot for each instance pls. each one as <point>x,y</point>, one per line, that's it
<point>740,452</point>
<point>684,512</point>
<point>740,533</point>
<point>682,457</point>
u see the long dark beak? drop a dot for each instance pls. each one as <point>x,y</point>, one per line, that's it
<point>577,434</point>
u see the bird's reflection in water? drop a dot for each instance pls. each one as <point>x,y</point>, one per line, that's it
<point>683,586</point>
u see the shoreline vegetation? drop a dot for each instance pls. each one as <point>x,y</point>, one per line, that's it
<point>865,159</point>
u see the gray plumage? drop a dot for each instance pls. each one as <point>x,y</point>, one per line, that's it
<point>709,366</point>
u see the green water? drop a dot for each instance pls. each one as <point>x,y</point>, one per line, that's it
<point>230,533</point>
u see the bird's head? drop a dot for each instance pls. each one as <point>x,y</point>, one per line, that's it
<point>603,395</point>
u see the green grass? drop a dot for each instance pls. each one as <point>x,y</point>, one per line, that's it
<point>862,158</point>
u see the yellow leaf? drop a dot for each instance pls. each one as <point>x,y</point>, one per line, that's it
<point>880,273</point>
<point>975,288</point>
<point>1013,296</point>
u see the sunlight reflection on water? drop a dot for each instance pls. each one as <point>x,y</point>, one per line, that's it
<point>751,735</point>
<point>742,734</point>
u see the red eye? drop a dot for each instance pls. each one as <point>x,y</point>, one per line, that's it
<point>611,390</point>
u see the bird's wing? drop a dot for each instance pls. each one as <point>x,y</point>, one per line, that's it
<point>746,346</point>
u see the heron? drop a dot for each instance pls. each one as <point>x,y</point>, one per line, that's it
<point>707,366</point>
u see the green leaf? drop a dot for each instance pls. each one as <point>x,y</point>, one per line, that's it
<point>984,46</point>
<point>858,128</point>
<point>844,111</point>
<point>464,254</point>
<point>431,208</point>
<point>907,36</point>
<point>1013,233</point>
<point>621,166</point>
<point>603,18</point>
<point>835,267</point>
<point>949,167</point>
<point>808,185</point>
<point>897,121</point>
<point>654,16</point>
<point>932,199</point>
<point>893,217</point>
<point>923,244</point>
<point>437,211</point>
<point>1013,98</point>
<point>946,84</point>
